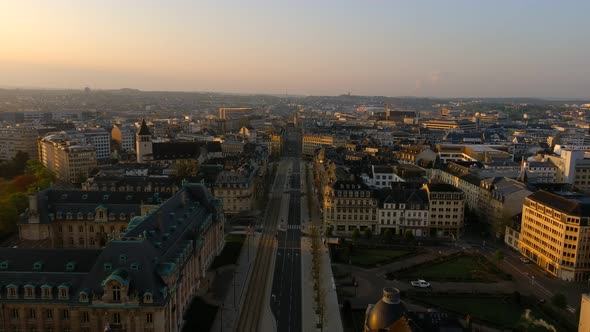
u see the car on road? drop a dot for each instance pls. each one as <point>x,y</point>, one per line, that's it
<point>420,284</point>
<point>525,260</point>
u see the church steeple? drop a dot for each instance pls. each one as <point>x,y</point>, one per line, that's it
<point>143,143</point>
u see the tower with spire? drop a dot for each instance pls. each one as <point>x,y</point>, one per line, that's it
<point>143,142</point>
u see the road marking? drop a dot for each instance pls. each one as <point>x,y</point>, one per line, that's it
<point>527,275</point>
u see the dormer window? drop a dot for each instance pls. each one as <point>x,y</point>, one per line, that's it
<point>101,214</point>
<point>80,216</point>
<point>38,266</point>
<point>69,216</point>
<point>46,292</point>
<point>63,292</point>
<point>134,266</point>
<point>108,266</point>
<point>4,265</point>
<point>122,258</point>
<point>29,292</point>
<point>71,266</point>
<point>83,297</point>
<point>147,297</point>
<point>90,216</point>
<point>122,216</point>
<point>12,291</point>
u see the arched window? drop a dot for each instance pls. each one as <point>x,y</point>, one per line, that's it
<point>116,293</point>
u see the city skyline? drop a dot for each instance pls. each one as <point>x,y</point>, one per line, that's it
<point>434,49</point>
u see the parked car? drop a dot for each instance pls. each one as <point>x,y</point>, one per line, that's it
<point>525,260</point>
<point>420,284</point>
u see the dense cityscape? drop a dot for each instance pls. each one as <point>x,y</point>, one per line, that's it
<point>162,211</point>
<point>294,166</point>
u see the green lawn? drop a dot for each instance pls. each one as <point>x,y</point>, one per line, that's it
<point>498,311</point>
<point>365,257</point>
<point>199,316</point>
<point>501,311</point>
<point>460,268</point>
<point>231,251</point>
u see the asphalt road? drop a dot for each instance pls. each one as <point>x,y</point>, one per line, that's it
<point>250,312</point>
<point>285,298</point>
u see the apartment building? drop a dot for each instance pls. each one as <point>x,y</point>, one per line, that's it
<point>311,142</point>
<point>447,210</point>
<point>67,159</point>
<point>123,137</point>
<point>555,233</point>
<point>462,178</point>
<point>238,189</point>
<point>143,282</point>
<point>381,176</point>
<point>84,219</point>
<point>18,138</point>
<point>349,205</point>
<point>403,209</point>
<point>500,199</point>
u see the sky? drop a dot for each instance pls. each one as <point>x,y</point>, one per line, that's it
<point>451,48</point>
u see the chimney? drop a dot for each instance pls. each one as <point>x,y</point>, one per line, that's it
<point>391,295</point>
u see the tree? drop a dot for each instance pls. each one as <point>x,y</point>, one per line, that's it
<point>499,255</point>
<point>356,234</point>
<point>43,175</point>
<point>388,235</point>
<point>559,300</point>
<point>329,231</point>
<point>409,235</point>
<point>19,200</point>
<point>186,168</point>
<point>368,233</point>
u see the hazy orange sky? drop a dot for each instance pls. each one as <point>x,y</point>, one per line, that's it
<point>425,48</point>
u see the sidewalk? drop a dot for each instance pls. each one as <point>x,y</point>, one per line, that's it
<point>332,319</point>
<point>237,287</point>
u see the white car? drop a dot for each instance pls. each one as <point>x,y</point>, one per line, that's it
<point>420,284</point>
<point>525,260</point>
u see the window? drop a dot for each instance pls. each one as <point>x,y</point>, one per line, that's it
<point>116,293</point>
<point>12,291</point>
<point>32,314</point>
<point>29,292</point>
<point>149,317</point>
<point>80,228</point>
<point>49,314</point>
<point>85,316</point>
<point>63,293</point>
<point>65,314</point>
<point>46,292</point>
<point>14,313</point>
<point>116,318</point>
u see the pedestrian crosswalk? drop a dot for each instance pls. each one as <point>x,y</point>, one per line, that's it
<point>293,226</point>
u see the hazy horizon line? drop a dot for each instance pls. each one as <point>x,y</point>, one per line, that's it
<point>25,87</point>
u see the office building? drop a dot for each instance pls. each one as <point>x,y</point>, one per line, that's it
<point>67,159</point>
<point>555,233</point>
<point>18,138</point>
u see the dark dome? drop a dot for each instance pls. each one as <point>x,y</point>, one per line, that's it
<point>386,312</point>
